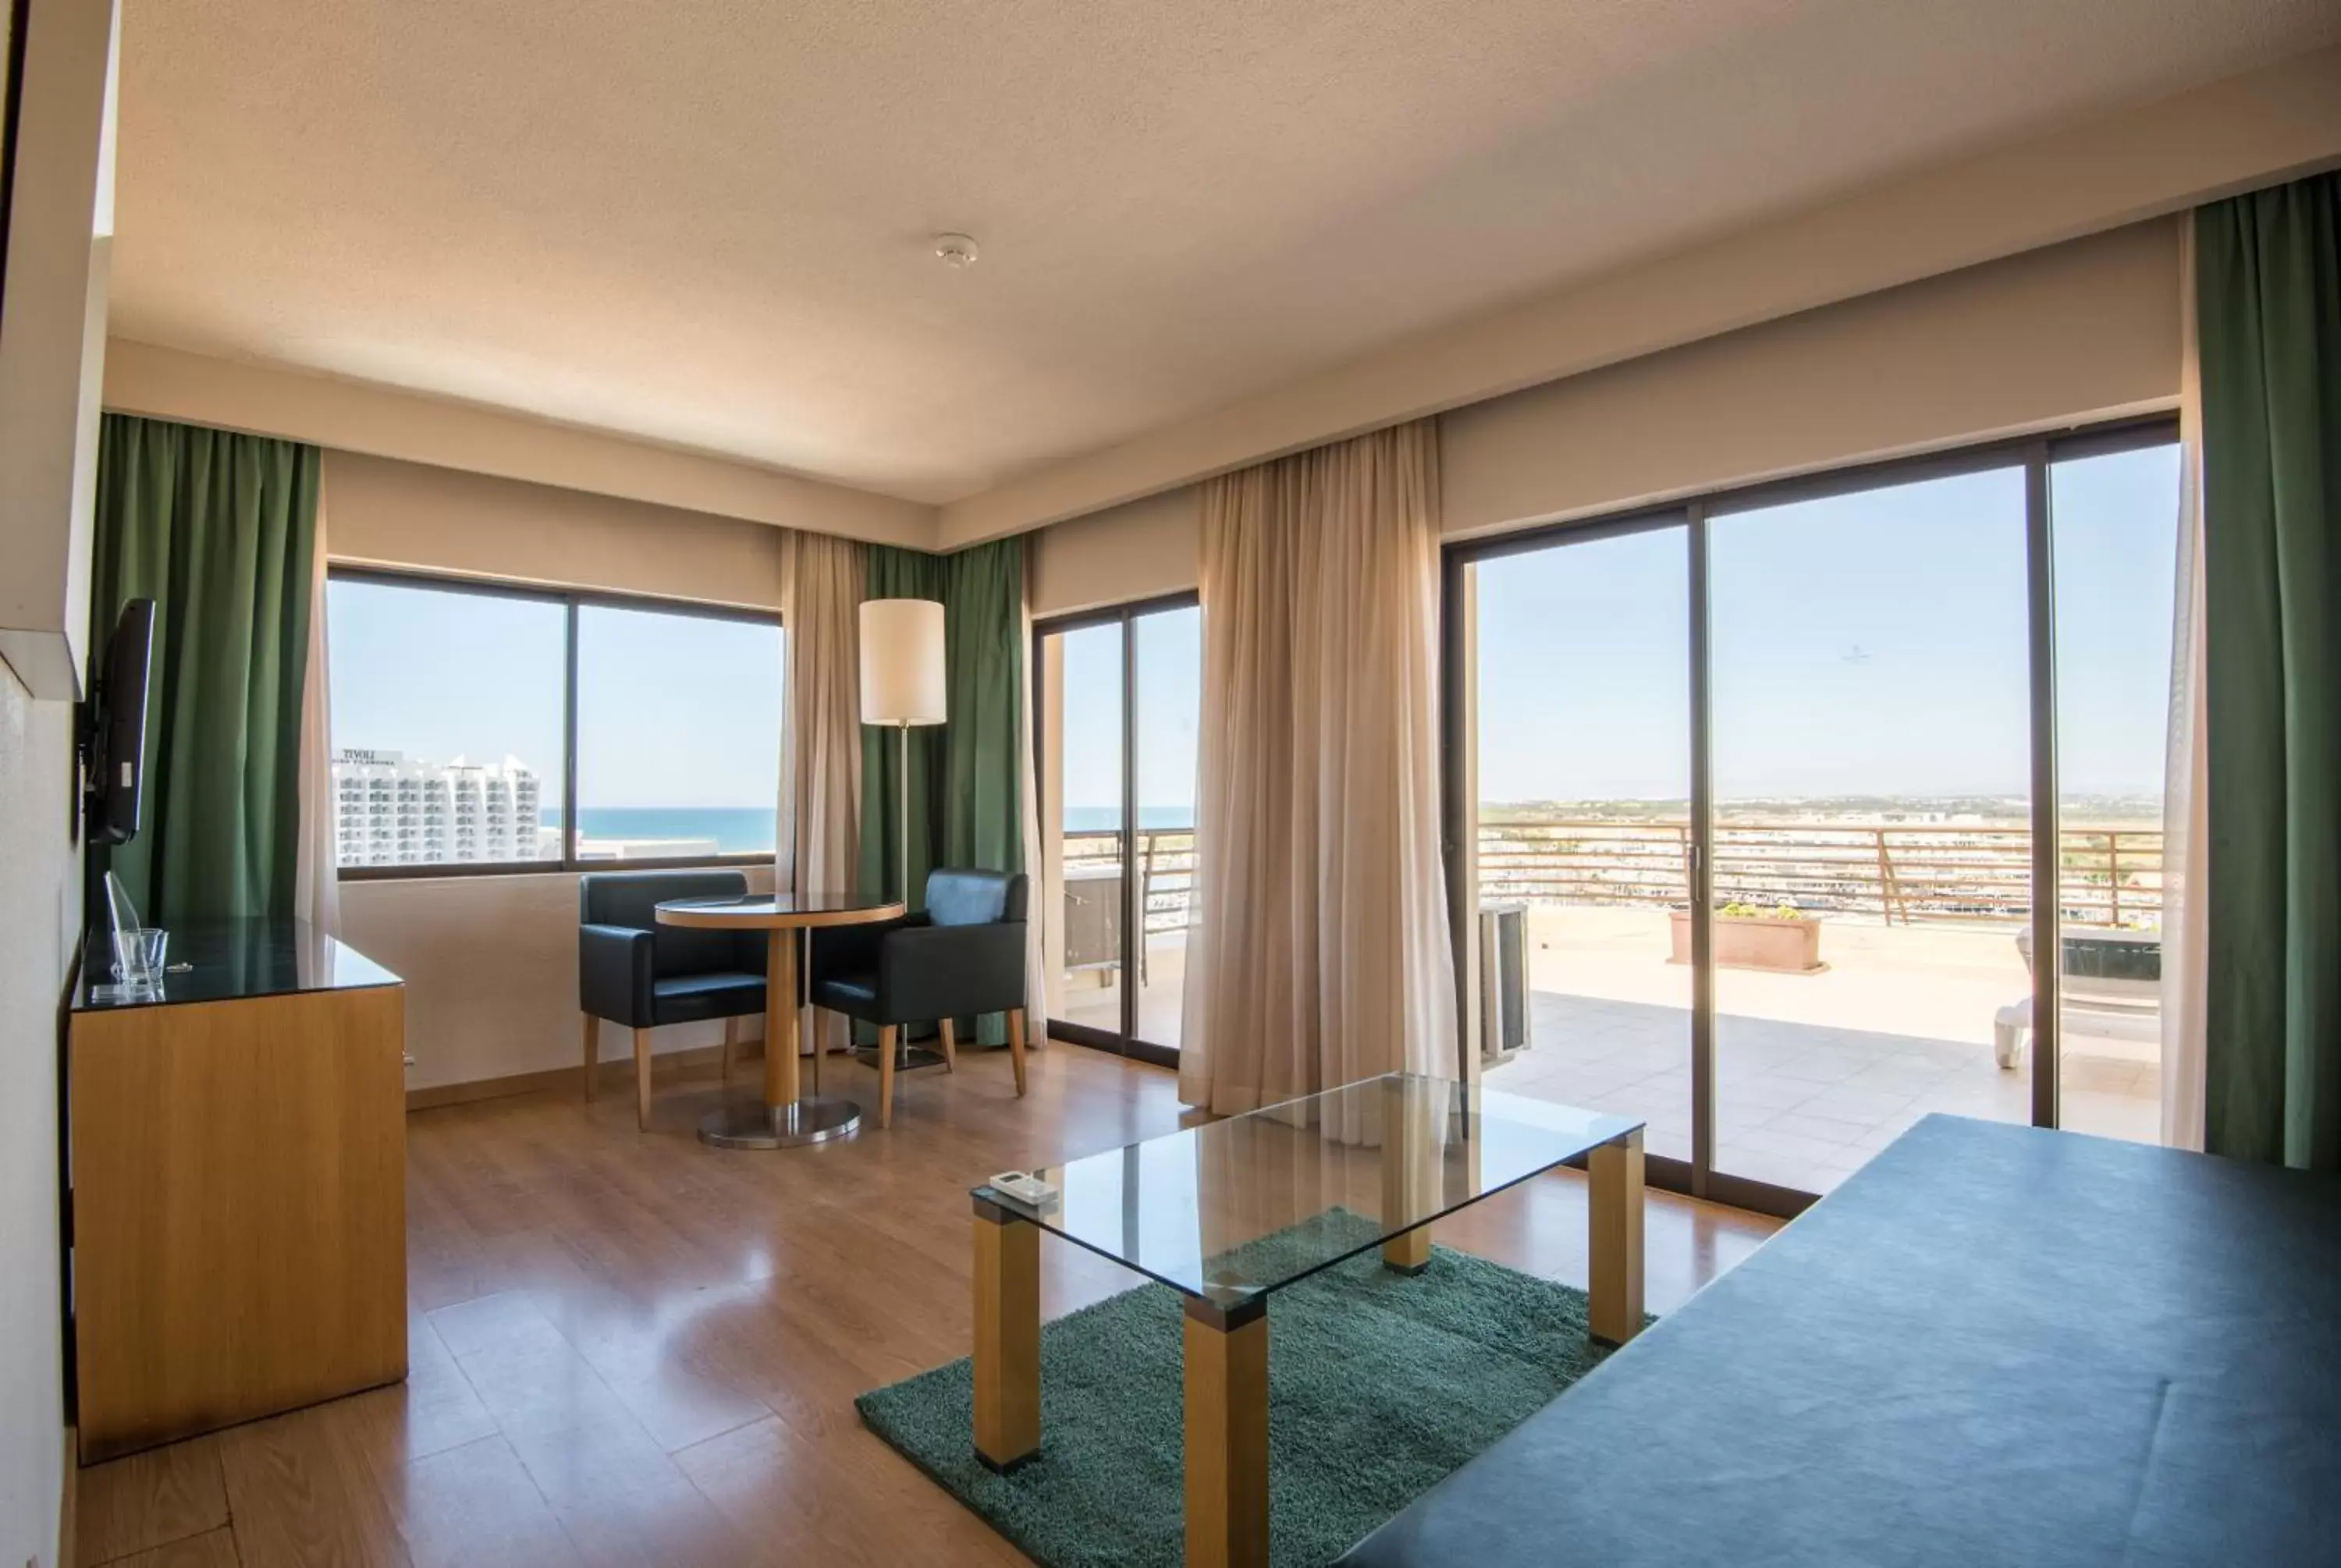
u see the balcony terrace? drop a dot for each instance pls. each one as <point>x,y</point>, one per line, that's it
<point>1918,937</point>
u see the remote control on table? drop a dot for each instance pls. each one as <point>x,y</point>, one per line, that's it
<point>1025,1188</point>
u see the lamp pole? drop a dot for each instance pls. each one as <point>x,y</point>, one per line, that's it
<point>903,806</point>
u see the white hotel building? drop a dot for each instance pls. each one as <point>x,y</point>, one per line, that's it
<point>391,811</point>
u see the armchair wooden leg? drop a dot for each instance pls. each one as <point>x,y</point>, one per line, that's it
<point>951,1046</point>
<point>593,1054</point>
<point>731,1043</point>
<point>886,1037</point>
<point>643,1080</point>
<point>1016,1045</point>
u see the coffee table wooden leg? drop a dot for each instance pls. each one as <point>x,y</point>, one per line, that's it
<point>1409,1253</point>
<point>1614,1200</point>
<point>1409,1175</point>
<point>1227,1437</point>
<point>1007,1337</point>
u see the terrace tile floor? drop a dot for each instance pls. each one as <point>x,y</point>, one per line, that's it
<point>1814,1073</point>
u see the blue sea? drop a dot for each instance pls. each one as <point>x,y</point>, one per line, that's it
<point>746,831</point>
<point>736,830</point>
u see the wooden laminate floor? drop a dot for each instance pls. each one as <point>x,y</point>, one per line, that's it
<point>628,1348</point>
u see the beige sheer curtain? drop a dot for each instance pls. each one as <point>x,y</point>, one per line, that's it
<point>1321,951</point>
<point>1041,909</point>
<point>317,879</point>
<point>821,727</point>
<point>2186,824</point>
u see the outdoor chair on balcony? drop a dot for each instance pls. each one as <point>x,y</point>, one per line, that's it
<point>2111,989</point>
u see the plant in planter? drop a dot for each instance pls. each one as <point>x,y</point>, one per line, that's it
<point>1757,912</point>
<point>1780,938</point>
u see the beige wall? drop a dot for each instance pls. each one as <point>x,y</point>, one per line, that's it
<point>2074,331</point>
<point>490,971</point>
<point>40,911</point>
<point>381,512</point>
<point>60,237</point>
<point>1137,550</point>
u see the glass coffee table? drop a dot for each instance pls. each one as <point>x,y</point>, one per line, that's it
<point>1230,1212</point>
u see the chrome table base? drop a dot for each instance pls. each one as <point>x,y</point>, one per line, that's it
<point>753,1125</point>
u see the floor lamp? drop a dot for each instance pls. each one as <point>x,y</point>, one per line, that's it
<point>902,679</point>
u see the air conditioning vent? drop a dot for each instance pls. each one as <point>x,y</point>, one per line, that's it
<point>1503,982</point>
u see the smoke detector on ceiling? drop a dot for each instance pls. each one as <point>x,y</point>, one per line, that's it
<point>955,250</point>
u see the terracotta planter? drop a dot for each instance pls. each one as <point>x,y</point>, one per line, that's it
<point>1757,942</point>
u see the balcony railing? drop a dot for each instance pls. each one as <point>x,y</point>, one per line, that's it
<point>1897,873</point>
<point>1165,869</point>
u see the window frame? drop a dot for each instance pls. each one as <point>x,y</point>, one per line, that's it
<point>572,600</point>
<point>1125,1041</point>
<point>2036,454</point>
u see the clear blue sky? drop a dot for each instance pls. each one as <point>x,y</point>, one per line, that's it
<point>1865,644</point>
<point>677,711</point>
<point>673,710</point>
<point>1092,719</point>
<point>1170,701</point>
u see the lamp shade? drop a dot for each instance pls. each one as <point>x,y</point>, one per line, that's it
<point>902,672</point>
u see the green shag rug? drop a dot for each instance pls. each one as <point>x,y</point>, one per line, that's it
<point>1379,1385</point>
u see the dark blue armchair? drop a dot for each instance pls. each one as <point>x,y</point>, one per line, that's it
<point>633,971</point>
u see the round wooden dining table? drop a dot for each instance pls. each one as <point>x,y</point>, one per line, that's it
<point>782,1117</point>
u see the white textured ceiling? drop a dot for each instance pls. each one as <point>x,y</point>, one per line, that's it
<point>705,222</point>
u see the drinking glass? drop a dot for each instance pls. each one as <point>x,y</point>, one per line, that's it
<point>138,955</point>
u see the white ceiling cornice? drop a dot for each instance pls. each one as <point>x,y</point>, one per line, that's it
<point>2248,131</point>
<point>385,422</point>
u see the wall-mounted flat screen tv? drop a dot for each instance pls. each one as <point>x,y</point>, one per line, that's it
<point>115,773</point>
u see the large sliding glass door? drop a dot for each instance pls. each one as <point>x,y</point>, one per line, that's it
<point>1873,816</point>
<point>1082,787</point>
<point>1788,817</point>
<point>1166,650</point>
<point>1119,701</point>
<point>2117,570</point>
<point>1582,733</point>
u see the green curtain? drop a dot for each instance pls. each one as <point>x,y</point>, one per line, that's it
<point>2268,308</point>
<point>218,530</point>
<point>983,808</point>
<point>966,775</point>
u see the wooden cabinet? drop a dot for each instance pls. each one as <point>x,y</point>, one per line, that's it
<point>238,1203</point>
